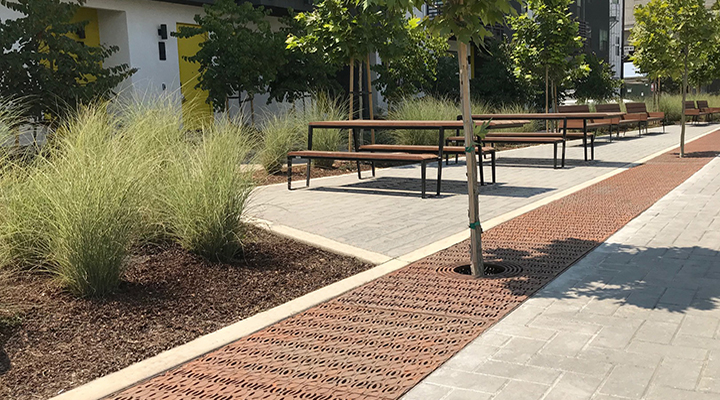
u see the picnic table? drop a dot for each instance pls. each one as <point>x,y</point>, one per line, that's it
<point>400,152</point>
<point>565,117</point>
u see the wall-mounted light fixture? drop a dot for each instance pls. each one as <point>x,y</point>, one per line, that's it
<point>161,49</point>
<point>163,32</point>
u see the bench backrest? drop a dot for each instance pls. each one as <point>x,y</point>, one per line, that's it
<point>703,104</point>
<point>689,105</point>
<point>614,107</point>
<point>636,108</point>
<point>580,108</point>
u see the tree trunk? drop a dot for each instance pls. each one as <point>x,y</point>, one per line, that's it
<point>351,91</point>
<point>371,106</point>
<point>477,268</point>
<point>684,96</point>
<point>547,107</point>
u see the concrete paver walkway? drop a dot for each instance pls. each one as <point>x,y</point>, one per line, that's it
<point>637,318</point>
<point>385,215</point>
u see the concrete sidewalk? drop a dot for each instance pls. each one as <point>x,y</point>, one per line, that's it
<point>637,318</point>
<point>386,215</point>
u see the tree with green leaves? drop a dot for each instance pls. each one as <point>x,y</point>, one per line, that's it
<point>598,84</point>
<point>240,52</point>
<point>415,67</point>
<point>495,81</point>
<point>546,44</point>
<point>302,72</point>
<point>346,33</point>
<point>466,20</point>
<point>43,65</point>
<point>671,37</point>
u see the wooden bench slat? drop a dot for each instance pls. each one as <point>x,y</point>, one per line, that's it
<point>345,155</point>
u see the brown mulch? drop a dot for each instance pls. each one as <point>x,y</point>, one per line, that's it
<point>51,341</point>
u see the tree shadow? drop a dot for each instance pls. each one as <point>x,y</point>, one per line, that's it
<point>674,279</point>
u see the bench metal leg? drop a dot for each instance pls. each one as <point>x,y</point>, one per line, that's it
<point>358,167</point>
<point>492,166</point>
<point>439,175</point>
<point>289,164</point>
<point>555,155</point>
<point>592,148</point>
<point>585,144</point>
<point>372,165</point>
<point>423,167</point>
<point>307,173</point>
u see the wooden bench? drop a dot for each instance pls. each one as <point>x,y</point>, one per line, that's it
<point>694,112</point>
<point>447,150</point>
<point>705,107</point>
<point>530,140</point>
<point>424,159</point>
<point>636,119</point>
<point>650,117</point>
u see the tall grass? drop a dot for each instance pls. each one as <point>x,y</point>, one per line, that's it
<point>279,134</point>
<point>207,190</point>
<point>109,180</point>
<point>324,107</point>
<point>75,211</point>
<point>424,108</point>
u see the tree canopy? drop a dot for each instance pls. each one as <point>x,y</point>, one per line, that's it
<point>240,53</point>
<point>44,64</point>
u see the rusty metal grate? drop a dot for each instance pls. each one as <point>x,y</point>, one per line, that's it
<point>379,340</point>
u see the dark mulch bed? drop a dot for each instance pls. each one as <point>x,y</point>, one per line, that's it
<point>51,341</point>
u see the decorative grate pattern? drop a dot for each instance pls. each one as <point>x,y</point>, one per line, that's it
<point>379,340</point>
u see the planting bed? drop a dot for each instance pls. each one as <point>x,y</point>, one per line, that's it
<point>51,341</point>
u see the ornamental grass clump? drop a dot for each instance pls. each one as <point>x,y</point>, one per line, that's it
<point>75,210</point>
<point>206,191</point>
<point>279,134</point>
<point>426,108</point>
<point>324,107</point>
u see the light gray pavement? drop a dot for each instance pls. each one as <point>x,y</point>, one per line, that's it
<point>386,215</point>
<point>637,318</point>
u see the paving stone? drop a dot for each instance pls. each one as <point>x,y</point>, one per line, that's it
<point>427,391</point>
<point>627,381</point>
<point>573,386</point>
<point>567,344</point>
<point>678,373</point>
<point>656,332</point>
<point>522,390</point>
<point>519,350</point>
<point>694,325</point>
<point>518,372</point>
<point>461,394</point>
<point>689,353</point>
<point>466,380</point>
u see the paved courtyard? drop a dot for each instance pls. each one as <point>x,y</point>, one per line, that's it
<point>385,215</point>
<point>637,318</point>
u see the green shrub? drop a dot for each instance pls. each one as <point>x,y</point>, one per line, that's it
<point>206,191</point>
<point>671,104</point>
<point>425,108</point>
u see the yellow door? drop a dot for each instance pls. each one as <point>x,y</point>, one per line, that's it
<point>196,111</point>
<point>91,32</point>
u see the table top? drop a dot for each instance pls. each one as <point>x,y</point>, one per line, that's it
<point>410,124</point>
<point>547,116</point>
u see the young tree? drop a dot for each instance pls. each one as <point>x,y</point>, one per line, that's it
<point>416,66</point>
<point>495,81</point>
<point>466,20</point>
<point>240,52</point>
<point>301,72</point>
<point>44,66</point>
<point>599,84</point>
<point>546,43</point>
<point>344,32</point>
<point>672,36</point>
